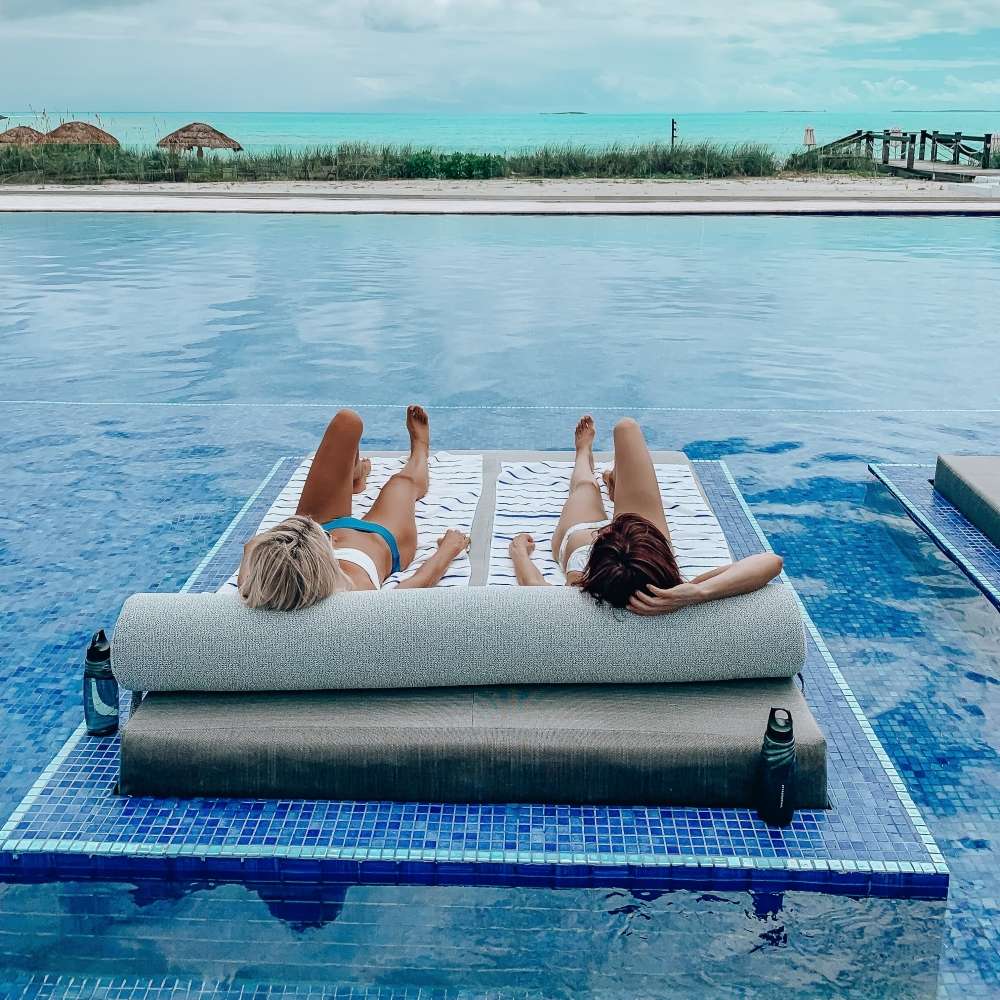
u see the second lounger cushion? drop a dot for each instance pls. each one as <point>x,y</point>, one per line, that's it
<point>437,638</point>
<point>971,483</point>
<point>690,744</point>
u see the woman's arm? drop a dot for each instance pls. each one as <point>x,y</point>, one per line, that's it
<point>527,573</point>
<point>742,577</point>
<point>450,546</point>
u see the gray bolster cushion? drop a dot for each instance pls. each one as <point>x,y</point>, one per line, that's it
<point>448,638</point>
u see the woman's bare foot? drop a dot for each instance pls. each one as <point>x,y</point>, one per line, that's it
<point>584,436</point>
<point>419,426</point>
<point>608,475</point>
<point>362,470</point>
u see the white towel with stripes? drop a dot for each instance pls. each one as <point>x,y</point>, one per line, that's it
<point>456,485</point>
<point>530,498</point>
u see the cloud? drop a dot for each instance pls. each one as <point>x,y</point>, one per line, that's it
<point>496,55</point>
<point>404,15</point>
<point>19,9</point>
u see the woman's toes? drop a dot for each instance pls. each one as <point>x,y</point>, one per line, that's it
<point>362,470</point>
<point>585,431</point>
<point>608,475</point>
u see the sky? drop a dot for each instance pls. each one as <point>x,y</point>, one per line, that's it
<point>500,56</point>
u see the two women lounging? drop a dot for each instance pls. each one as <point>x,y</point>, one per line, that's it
<point>626,561</point>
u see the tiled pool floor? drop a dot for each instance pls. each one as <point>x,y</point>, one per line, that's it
<point>978,557</point>
<point>872,840</point>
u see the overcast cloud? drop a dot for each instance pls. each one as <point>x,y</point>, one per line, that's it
<point>498,55</point>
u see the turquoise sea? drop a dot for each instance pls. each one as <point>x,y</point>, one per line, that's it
<point>782,130</point>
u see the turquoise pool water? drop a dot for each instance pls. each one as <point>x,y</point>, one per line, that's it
<point>155,366</point>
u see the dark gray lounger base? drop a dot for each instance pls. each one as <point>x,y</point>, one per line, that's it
<point>683,744</point>
<point>971,484</point>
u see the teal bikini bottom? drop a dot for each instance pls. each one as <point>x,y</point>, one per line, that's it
<point>356,524</point>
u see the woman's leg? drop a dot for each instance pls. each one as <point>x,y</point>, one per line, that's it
<point>337,471</point>
<point>395,507</point>
<point>584,503</point>
<point>636,490</point>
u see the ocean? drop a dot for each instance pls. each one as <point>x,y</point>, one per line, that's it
<point>258,131</point>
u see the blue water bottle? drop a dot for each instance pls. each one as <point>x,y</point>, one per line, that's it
<point>100,689</point>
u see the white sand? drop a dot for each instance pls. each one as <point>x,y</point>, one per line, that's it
<point>797,187</point>
<point>785,195</point>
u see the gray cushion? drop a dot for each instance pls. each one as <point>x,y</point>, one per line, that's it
<point>971,483</point>
<point>689,744</point>
<point>448,638</point>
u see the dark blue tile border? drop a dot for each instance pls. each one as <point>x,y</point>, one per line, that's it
<point>962,542</point>
<point>872,842</point>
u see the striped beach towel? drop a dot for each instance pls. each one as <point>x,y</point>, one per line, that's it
<point>456,485</point>
<point>530,497</point>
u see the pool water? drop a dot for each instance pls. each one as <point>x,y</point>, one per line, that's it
<point>154,367</point>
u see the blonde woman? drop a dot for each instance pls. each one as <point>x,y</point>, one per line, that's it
<point>323,550</point>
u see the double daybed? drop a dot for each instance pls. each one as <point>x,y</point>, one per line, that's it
<point>464,694</point>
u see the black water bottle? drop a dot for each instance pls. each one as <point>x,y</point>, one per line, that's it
<point>100,689</point>
<point>776,770</point>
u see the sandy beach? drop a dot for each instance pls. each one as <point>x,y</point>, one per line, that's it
<point>790,187</point>
<point>787,195</point>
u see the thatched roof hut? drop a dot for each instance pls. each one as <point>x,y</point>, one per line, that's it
<point>80,134</point>
<point>198,136</point>
<point>20,135</point>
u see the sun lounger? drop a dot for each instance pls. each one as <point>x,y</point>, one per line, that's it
<point>972,485</point>
<point>498,694</point>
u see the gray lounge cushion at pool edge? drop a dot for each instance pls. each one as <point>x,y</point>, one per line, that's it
<point>686,744</point>
<point>448,638</point>
<point>971,483</point>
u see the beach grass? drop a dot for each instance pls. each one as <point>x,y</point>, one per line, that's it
<point>814,161</point>
<point>66,164</point>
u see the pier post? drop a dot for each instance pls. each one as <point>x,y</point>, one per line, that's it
<point>987,150</point>
<point>934,145</point>
<point>911,149</point>
<point>870,145</point>
<point>885,147</point>
<point>923,143</point>
<point>954,151</point>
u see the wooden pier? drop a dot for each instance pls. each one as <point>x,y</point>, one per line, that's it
<point>951,156</point>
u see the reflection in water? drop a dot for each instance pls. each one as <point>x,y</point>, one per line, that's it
<point>553,943</point>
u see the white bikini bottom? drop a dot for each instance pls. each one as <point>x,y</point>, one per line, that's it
<point>577,561</point>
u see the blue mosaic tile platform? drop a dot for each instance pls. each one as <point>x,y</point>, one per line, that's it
<point>872,841</point>
<point>962,542</point>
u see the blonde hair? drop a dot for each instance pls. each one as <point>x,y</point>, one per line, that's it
<point>289,567</point>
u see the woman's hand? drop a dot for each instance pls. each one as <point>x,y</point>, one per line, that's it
<point>453,543</point>
<point>522,544</point>
<point>657,601</point>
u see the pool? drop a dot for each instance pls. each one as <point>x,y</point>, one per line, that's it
<point>156,366</point>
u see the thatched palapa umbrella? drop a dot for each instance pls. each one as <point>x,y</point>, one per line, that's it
<point>20,135</point>
<point>198,136</point>
<point>80,134</point>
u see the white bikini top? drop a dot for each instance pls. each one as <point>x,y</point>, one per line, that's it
<point>358,558</point>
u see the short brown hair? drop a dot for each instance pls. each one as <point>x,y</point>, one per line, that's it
<point>629,555</point>
<point>289,567</point>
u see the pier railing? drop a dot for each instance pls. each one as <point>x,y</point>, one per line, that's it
<point>957,147</point>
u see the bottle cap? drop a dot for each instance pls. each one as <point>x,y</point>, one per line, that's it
<point>779,725</point>
<point>99,648</point>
